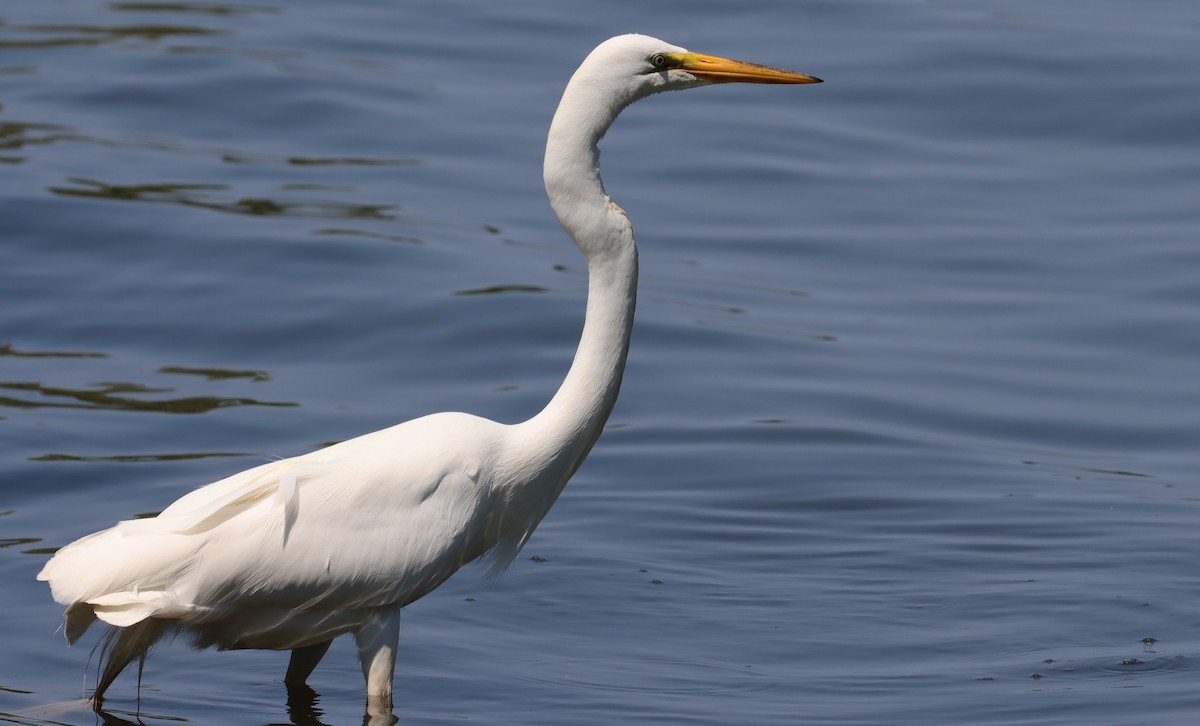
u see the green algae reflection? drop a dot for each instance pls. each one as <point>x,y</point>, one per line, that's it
<point>204,196</point>
<point>117,397</point>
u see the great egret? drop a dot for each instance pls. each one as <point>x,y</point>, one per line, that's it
<point>291,554</point>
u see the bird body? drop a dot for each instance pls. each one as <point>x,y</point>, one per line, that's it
<point>296,551</point>
<point>293,553</point>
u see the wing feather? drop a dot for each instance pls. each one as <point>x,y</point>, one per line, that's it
<point>296,546</point>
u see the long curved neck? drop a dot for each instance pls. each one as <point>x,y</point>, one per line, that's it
<point>572,421</point>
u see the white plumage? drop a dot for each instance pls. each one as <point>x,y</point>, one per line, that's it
<point>294,553</point>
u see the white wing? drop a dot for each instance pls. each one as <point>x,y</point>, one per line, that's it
<point>261,556</point>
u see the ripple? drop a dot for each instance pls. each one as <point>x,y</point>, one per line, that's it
<point>216,374</point>
<point>1138,664</point>
<point>768,331</point>
<point>197,8</point>
<point>501,289</point>
<point>14,541</point>
<point>672,677</point>
<point>1087,469</point>
<point>16,135</point>
<point>74,35</point>
<point>1104,667</point>
<point>139,458</point>
<point>19,134</point>
<point>345,232</point>
<point>108,397</point>
<point>9,350</point>
<point>199,195</point>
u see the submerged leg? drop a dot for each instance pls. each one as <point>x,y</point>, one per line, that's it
<point>377,640</point>
<point>303,661</point>
<point>120,647</point>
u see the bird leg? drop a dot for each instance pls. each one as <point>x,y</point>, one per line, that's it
<point>302,663</point>
<point>377,640</point>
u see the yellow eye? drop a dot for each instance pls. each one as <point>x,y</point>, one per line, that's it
<point>658,60</point>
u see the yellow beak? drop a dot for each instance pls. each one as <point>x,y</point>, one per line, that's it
<point>723,70</point>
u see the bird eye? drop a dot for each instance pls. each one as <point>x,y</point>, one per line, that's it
<point>658,60</point>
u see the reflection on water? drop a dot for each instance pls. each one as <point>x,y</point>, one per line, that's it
<point>110,396</point>
<point>12,541</point>
<point>9,350</point>
<point>18,134</point>
<point>137,458</point>
<point>135,718</point>
<point>501,289</point>
<point>217,374</point>
<point>331,161</point>
<point>198,8</point>
<point>76,35</point>
<point>1078,471</point>
<point>196,195</point>
<point>16,541</point>
<point>303,709</point>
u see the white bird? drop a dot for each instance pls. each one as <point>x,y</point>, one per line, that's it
<point>291,554</point>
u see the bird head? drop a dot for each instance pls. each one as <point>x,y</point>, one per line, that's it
<point>634,66</point>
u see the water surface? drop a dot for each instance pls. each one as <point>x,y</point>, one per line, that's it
<point>909,429</point>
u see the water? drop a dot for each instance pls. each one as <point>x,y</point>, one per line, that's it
<point>910,424</point>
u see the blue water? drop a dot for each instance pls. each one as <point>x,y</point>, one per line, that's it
<point>910,427</point>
